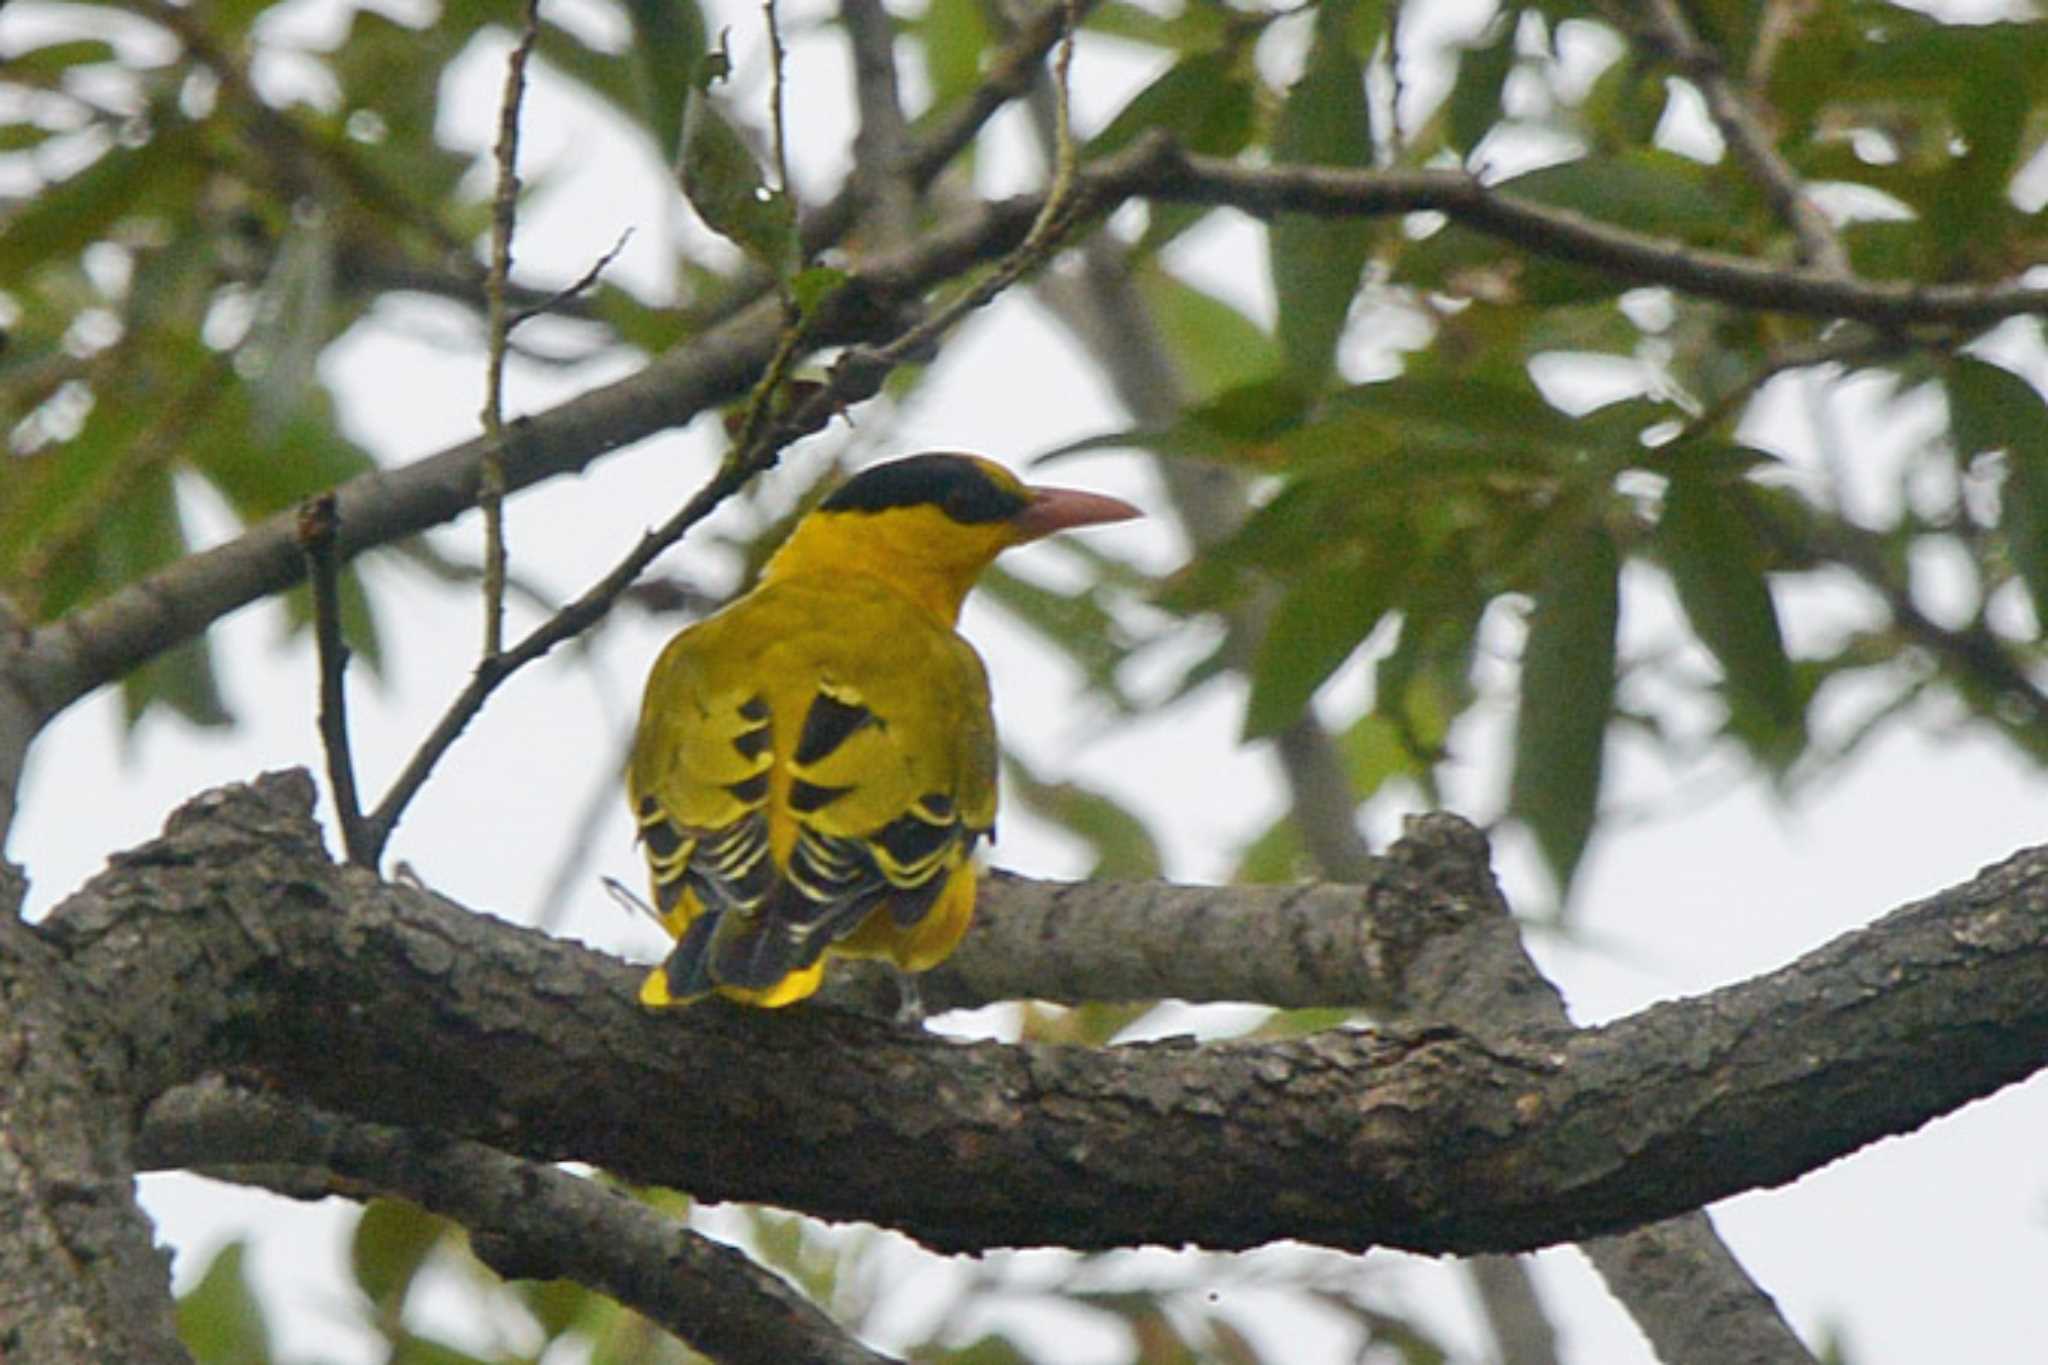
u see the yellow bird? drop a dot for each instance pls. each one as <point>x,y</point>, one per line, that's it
<point>816,762</point>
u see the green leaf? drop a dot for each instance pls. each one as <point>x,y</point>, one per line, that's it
<point>52,59</point>
<point>1316,262</point>
<point>1205,100</point>
<point>1324,617</point>
<point>558,1306</point>
<point>1988,77</point>
<point>1276,854</point>
<point>1625,105</point>
<point>160,178</point>
<point>1567,690</point>
<point>141,533</point>
<point>1188,28</point>
<point>669,43</point>
<point>813,286</point>
<point>21,137</point>
<point>955,34</point>
<point>1503,411</point>
<point>725,185</point>
<point>1991,408</point>
<point>1473,106</point>
<point>411,1349</point>
<point>1214,345</point>
<point>220,1319</point>
<point>392,1241</point>
<point>1650,191</point>
<point>1255,411</point>
<point>1709,540</point>
<point>991,1349</point>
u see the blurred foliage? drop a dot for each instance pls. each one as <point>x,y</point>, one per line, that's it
<point>219,1318</point>
<point>184,236</point>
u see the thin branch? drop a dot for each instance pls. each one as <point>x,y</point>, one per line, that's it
<point>504,214</point>
<point>765,432</point>
<point>880,179</point>
<point>1522,1332</point>
<point>63,661</point>
<point>936,140</point>
<point>1058,212</point>
<point>317,525</point>
<point>1155,167</point>
<point>778,97</point>
<point>528,1219</point>
<point>1733,112</point>
<point>1974,650</point>
<point>1692,1298</point>
<point>1397,137</point>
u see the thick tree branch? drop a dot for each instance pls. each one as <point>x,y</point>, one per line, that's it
<point>528,1220</point>
<point>1501,989</point>
<point>234,942</point>
<point>80,1281</point>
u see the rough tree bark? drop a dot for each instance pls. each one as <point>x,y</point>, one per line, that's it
<point>234,945</point>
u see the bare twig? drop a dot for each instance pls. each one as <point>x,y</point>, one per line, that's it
<point>528,1219</point>
<point>318,522</point>
<point>778,97</point>
<point>1734,113</point>
<point>582,285</point>
<point>1397,138</point>
<point>573,619</point>
<point>504,212</point>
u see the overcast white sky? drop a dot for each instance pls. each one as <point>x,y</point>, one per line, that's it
<point>1933,1246</point>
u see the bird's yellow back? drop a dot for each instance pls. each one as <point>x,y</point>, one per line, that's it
<point>816,763</point>
<point>817,751</point>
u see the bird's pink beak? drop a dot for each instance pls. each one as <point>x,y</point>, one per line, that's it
<point>1062,509</point>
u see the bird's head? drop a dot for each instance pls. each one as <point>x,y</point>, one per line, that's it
<point>929,524</point>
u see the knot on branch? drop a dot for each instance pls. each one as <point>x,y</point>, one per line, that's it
<point>1465,963</point>
<point>276,808</point>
